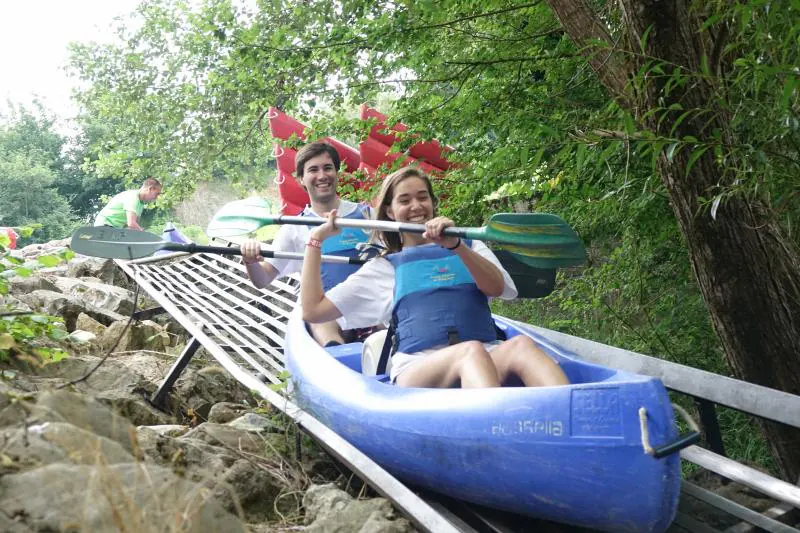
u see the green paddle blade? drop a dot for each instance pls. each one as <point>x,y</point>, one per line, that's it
<point>241,217</point>
<point>540,240</point>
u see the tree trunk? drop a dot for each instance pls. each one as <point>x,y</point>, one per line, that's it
<point>747,270</point>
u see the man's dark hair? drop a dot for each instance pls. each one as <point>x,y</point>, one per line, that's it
<point>149,183</point>
<point>310,151</point>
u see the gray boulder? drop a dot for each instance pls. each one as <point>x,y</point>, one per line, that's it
<point>131,497</point>
<point>98,294</point>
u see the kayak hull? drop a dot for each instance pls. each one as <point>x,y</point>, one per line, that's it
<point>571,454</point>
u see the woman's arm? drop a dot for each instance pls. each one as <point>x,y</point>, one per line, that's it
<point>487,276</point>
<point>316,307</point>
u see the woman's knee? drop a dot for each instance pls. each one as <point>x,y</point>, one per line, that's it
<point>524,344</point>
<point>473,353</point>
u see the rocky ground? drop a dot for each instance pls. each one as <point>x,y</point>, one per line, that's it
<point>94,455</point>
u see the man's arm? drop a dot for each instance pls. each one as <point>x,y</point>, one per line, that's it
<point>261,273</point>
<point>133,221</point>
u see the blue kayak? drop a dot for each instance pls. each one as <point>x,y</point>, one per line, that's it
<point>572,454</point>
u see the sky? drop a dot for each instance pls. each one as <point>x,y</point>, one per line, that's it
<point>33,47</point>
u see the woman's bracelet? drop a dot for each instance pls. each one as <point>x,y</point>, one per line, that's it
<point>314,243</point>
<point>456,246</point>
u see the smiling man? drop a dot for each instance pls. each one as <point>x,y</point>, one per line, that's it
<point>318,172</point>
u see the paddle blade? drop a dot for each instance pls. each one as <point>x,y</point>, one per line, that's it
<point>559,256</point>
<point>241,217</point>
<point>114,243</point>
<point>540,240</point>
<point>531,282</point>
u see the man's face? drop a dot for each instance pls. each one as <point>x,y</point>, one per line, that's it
<point>150,194</point>
<point>320,178</point>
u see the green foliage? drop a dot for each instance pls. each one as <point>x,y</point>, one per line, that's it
<point>30,165</point>
<point>32,337</point>
<point>186,91</point>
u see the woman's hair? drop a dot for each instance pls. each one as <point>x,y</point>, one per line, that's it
<point>392,240</point>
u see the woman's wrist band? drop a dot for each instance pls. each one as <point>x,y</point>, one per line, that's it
<point>314,243</point>
<point>456,246</point>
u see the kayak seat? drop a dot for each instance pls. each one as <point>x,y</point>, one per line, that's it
<point>347,354</point>
<point>371,353</point>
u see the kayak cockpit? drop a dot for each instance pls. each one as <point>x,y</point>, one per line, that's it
<point>351,356</point>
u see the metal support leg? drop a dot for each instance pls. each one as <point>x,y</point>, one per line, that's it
<point>159,398</point>
<point>146,314</point>
<point>298,448</point>
<point>710,426</point>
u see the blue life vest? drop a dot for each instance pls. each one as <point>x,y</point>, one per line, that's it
<point>435,299</point>
<point>343,244</point>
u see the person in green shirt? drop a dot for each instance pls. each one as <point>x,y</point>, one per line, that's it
<point>124,210</point>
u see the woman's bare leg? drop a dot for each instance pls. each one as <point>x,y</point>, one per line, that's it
<point>466,361</point>
<point>522,357</point>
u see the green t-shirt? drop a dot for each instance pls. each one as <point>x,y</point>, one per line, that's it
<point>115,213</point>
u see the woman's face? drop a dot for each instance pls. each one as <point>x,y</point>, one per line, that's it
<point>411,202</point>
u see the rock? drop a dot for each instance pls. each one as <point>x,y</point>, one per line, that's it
<point>51,442</point>
<point>209,385</point>
<point>63,497</point>
<point>14,303</point>
<point>378,522</point>
<point>237,478</point>
<point>55,303</point>
<point>24,285</point>
<point>255,423</point>
<point>320,501</point>
<point>224,435</point>
<point>361,514</point>
<point>32,251</point>
<point>81,336</point>
<point>112,384</point>
<point>223,412</point>
<point>86,323</point>
<point>331,510</point>
<point>68,307</point>
<point>98,294</point>
<point>103,269</point>
<point>89,414</point>
<point>144,335</point>
<point>166,430</point>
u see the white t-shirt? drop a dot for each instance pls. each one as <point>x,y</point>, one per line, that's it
<point>292,238</point>
<point>366,297</point>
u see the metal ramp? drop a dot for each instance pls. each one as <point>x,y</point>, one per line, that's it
<point>243,329</point>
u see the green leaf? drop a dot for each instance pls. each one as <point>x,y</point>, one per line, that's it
<point>696,154</point>
<point>24,272</point>
<point>48,260</point>
<point>788,91</point>
<point>671,150</point>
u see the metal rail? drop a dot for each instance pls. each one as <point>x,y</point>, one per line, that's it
<point>243,328</point>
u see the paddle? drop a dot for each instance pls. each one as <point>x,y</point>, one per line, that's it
<point>114,243</point>
<point>540,240</point>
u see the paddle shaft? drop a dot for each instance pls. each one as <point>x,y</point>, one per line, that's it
<point>114,243</point>
<point>224,250</point>
<point>380,225</point>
